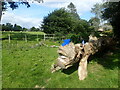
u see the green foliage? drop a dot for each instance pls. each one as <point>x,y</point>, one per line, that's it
<point>72,9</point>
<point>10,27</point>
<point>94,22</point>
<point>58,21</point>
<point>62,22</point>
<point>17,28</point>
<point>7,27</point>
<point>34,29</point>
<point>111,13</point>
<point>13,5</point>
<point>97,10</point>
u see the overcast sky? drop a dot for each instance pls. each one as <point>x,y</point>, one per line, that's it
<point>33,16</point>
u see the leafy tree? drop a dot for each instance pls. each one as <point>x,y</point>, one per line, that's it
<point>94,22</point>
<point>58,21</point>
<point>17,28</point>
<point>7,27</point>
<point>72,9</point>
<point>97,10</point>
<point>10,27</point>
<point>3,27</point>
<point>97,20</point>
<point>63,23</point>
<point>24,29</point>
<point>37,29</point>
<point>13,5</point>
<point>111,13</point>
<point>33,29</point>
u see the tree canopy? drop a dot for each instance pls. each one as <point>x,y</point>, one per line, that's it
<point>111,13</point>
<point>58,21</point>
<point>94,22</point>
<point>15,27</point>
<point>72,9</point>
<point>10,27</point>
<point>62,22</point>
<point>13,5</point>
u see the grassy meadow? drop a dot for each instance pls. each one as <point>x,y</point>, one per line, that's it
<point>24,66</point>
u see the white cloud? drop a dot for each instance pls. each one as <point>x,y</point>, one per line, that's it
<point>81,5</point>
<point>20,20</point>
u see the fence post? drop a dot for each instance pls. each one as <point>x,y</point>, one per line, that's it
<point>44,36</point>
<point>9,37</point>
<point>37,37</point>
<point>53,37</point>
<point>25,38</point>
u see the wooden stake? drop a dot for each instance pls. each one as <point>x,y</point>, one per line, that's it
<point>44,37</point>
<point>9,37</point>
<point>37,38</point>
<point>25,38</point>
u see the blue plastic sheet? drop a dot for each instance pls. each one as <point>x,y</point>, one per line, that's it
<point>66,41</point>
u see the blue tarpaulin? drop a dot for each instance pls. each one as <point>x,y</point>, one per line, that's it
<point>66,41</point>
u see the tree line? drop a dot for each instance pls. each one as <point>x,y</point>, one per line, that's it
<point>66,21</point>
<point>15,27</point>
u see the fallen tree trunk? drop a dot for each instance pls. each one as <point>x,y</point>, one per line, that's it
<point>70,54</point>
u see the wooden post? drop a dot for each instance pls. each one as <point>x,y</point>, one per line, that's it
<point>9,37</point>
<point>37,38</point>
<point>25,38</point>
<point>44,37</point>
<point>53,37</point>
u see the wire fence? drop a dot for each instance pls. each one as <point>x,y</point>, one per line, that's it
<point>30,37</point>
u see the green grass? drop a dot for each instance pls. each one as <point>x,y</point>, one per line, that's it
<point>19,36</point>
<point>26,67</point>
<point>8,32</point>
<point>39,33</point>
<point>0,65</point>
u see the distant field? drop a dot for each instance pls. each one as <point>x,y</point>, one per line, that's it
<point>21,35</point>
<point>40,33</point>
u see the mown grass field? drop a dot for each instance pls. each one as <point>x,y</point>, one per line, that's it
<point>26,67</point>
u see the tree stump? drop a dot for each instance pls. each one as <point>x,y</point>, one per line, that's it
<point>70,54</point>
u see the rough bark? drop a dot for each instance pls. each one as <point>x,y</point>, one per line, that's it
<point>70,54</point>
<point>82,69</point>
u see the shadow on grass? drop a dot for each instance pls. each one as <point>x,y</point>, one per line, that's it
<point>71,69</point>
<point>109,59</point>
